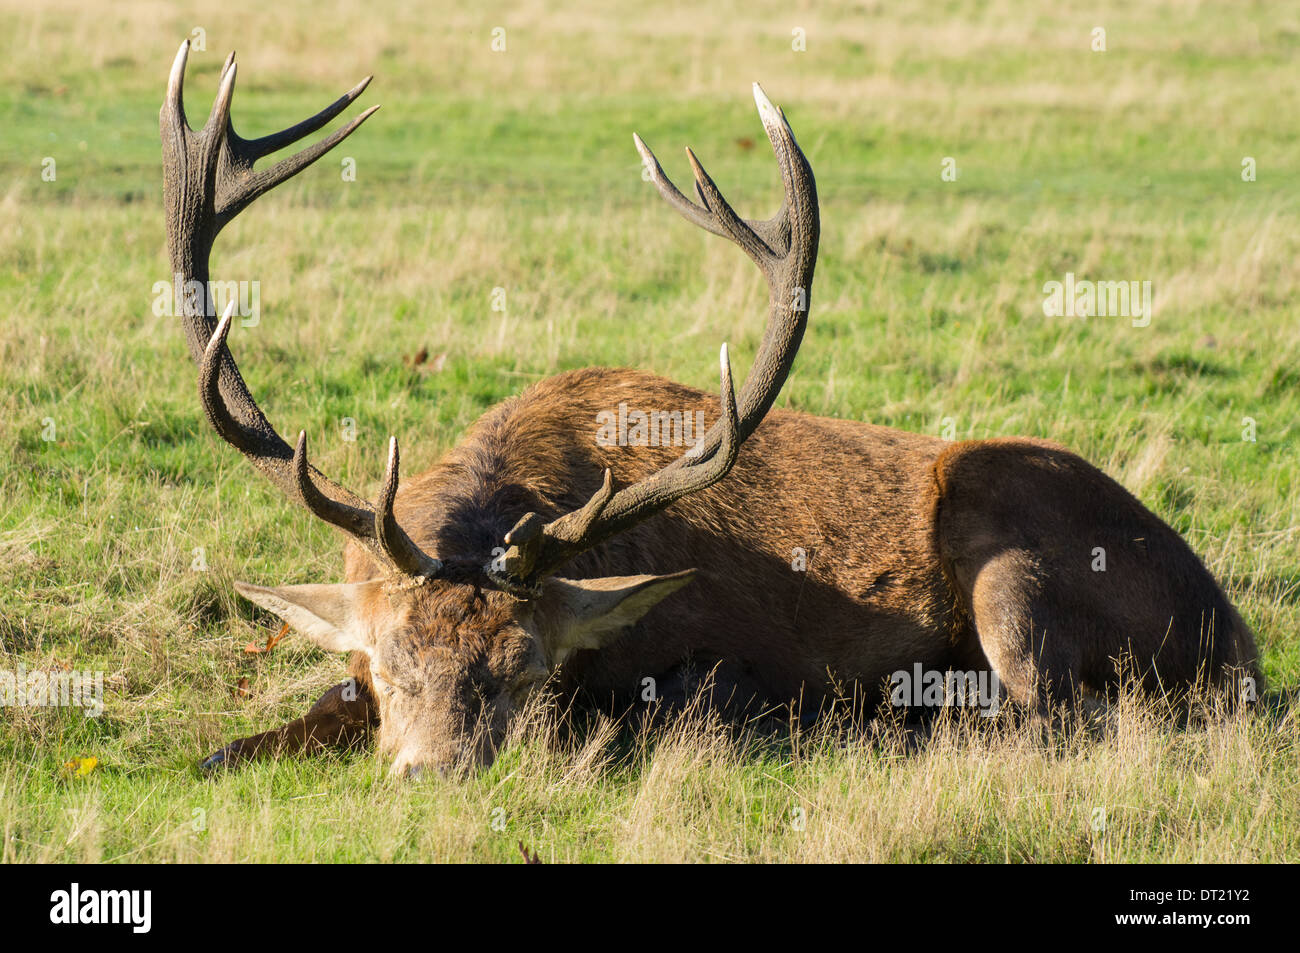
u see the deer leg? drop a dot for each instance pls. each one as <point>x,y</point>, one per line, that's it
<point>1023,634</point>
<point>343,717</point>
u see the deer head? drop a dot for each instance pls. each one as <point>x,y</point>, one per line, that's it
<point>456,642</point>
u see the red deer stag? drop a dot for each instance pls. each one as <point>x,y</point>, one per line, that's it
<point>953,556</point>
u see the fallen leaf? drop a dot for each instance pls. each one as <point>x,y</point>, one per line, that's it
<point>420,362</point>
<point>252,648</point>
<point>530,857</point>
<point>241,689</point>
<point>80,767</point>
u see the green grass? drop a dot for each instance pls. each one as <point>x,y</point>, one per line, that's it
<point>516,170</point>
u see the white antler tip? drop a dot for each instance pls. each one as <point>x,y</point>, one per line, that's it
<point>178,67</point>
<point>644,150</point>
<point>221,330</point>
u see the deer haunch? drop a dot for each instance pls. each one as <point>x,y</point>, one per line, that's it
<point>790,554</point>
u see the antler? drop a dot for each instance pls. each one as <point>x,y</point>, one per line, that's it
<point>785,249</point>
<point>208,179</point>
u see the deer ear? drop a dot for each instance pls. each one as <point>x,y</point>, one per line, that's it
<point>325,614</point>
<point>590,613</point>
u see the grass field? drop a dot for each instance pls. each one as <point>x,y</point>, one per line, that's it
<point>515,170</point>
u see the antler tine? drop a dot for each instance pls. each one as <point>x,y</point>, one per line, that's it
<point>268,452</point>
<point>685,207</point>
<point>219,118</point>
<point>785,249</point>
<point>214,405</point>
<point>286,137</point>
<point>381,524</point>
<point>536,549</point>
<point>174,98</point>
<point>733,226</point>
<point>403,553</point>
<point>605,515</point>
<point>799,201</point>
<point>351,519</point>
<point>262,182</point>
